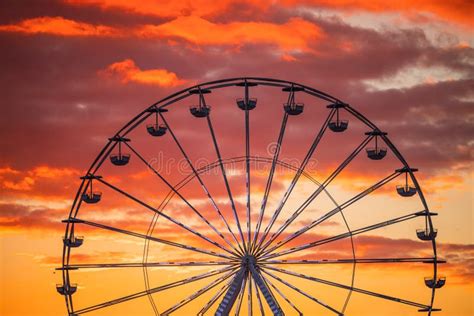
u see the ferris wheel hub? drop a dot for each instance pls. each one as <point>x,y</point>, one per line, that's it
<point>248,260</point>
<point>249,267</point>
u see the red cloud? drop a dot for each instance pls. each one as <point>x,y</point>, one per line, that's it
<point>295,35</point>
<point>169,8</point>
<point>128,71</point>
<point>44,181</point>
<point>58,26</point>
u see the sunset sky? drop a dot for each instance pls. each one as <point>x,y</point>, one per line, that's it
<point>75,71</point>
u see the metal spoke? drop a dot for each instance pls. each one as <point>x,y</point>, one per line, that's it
<point>291,286</point>
<point>336,210</point>
<point>159,240</point>
<point>147,264</point>
<point>249,296</point>
<point>214,299</point>
<point>153,290</point>
<point>292,185</point>
<point>169,218</point>
<point>342,286</point>
<point>322,187</point>
<point>224,175</point>
<point>247,163</point>
<point>241,297</point>
<point>203,186</point>
<point>184,200</point>
<point>198,293</point>
<point>346,235</point>
<point>282,295</point>
<point>268,186</point>
<point>342,261</point>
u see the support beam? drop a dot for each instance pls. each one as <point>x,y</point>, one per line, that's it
<point>267,293</point>
<point>232,293</point>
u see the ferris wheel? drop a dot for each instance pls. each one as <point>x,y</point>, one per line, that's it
<point>246,221</point>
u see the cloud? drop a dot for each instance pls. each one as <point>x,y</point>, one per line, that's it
<point>8,170</point>
<point>294,35</point>
<point>58,26</point>
<point>459,11</point>
<point>19,218</point>
<point>44,180</point>
<point>14,217</point>
<point>169,8</point>
<point>460,257</point>
<point>360,180</point>
<point>128,71</point>
<point>25,184</point>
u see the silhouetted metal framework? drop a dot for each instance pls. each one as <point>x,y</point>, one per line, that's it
<point>247,259</point>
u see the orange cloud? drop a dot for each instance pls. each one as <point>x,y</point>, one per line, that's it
<point>25,181</point>
<point>169,8</point>
<point>440,183</point>
<point>58,26</point>
<point>296,34</point>
<point>128,71</point>
<point>8,170</point>
<point>51,172</point>
<point>25,184</point>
